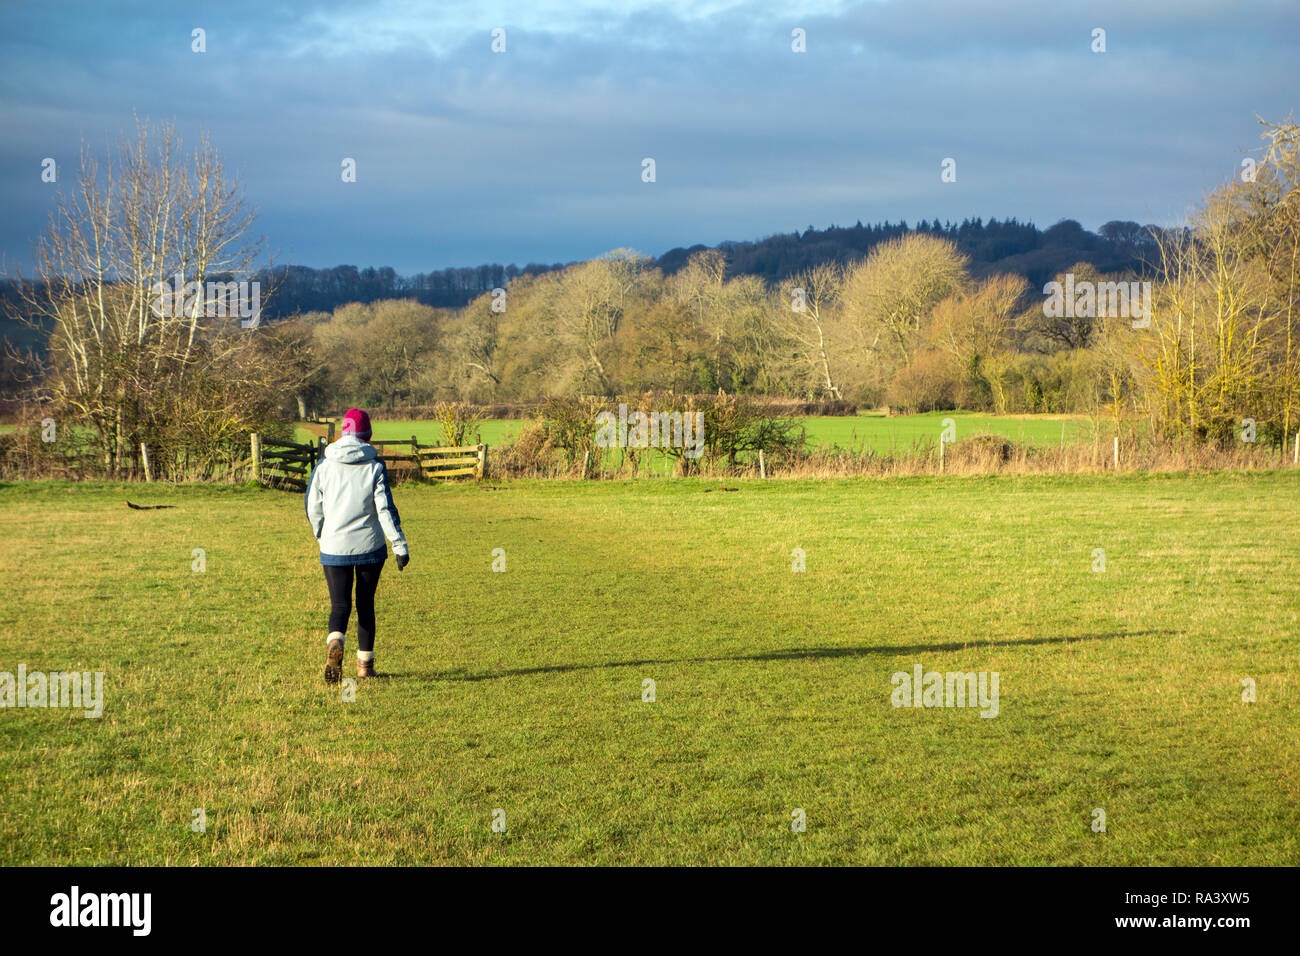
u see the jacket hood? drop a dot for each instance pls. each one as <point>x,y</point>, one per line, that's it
<point>350,450</point>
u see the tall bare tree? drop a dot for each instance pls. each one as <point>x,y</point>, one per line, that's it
<point>977,322</point>
<point>1269,224</point>
<point>477,341</point>
<point>590,304</point>
<point>810,301</point>
<point>147,219</point>
<point>891,293</point>
<point>1211,326</point>
<point>701,286</point>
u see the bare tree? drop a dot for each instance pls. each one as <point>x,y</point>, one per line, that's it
<point>977,322</point>
<point>590,305</point>
<point>1268,221</point>
<point>124,281</point>
<point>890,293</point>
<point>1073,328</point>
<point>478,340</point>
<point>811,296</point>
<point>755,333</point>
<point>701,287</point>
<point>1211,325</point>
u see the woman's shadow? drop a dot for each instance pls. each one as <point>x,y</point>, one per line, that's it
<point>786,654</point>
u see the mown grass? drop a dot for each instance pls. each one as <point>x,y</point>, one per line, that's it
<point>522,690</point>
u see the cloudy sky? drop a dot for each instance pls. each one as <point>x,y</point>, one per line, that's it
<point>464,155</point>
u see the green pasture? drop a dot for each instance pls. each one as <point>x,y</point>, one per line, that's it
<point>874,432</point>
<point>868,432</point>
<point>521,695</point>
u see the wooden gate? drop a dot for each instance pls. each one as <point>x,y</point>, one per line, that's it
<point>439,463</point>
<point>283,464</point>
<point>288,465</point>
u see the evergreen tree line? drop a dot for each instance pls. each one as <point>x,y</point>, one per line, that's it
<point>1005,246</point>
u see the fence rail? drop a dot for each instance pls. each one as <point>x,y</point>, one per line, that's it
<point>453,462</point>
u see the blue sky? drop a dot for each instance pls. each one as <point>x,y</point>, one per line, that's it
<point>467,156</point>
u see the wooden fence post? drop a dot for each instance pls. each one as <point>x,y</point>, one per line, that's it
<point>482,462</point>
<point>585,456</point>
<point>255,440</point>
<point>762,466</point>
<point>1117,453</point>
<point>1296,457</point>
<point>144,456</point>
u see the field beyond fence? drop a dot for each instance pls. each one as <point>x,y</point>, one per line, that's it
<point>871,445</point>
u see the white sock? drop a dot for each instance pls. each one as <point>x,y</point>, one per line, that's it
<point>333,635</point>
<point>365,657</point>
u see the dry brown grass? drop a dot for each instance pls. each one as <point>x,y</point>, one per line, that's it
<point>994,454</point>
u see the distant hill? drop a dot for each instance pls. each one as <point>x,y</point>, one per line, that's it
<point>1006,246</point>
<point>993,246</point>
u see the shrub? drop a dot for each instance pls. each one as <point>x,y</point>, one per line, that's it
<point>926,384</point>
<point>456,419</point>
<point>736,427</point>
<point>531,455</point>
<point>983,450</point>
<point>570,426</point>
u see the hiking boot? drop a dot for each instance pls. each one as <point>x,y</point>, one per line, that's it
<point>366,668</point>
<point>334,658</point>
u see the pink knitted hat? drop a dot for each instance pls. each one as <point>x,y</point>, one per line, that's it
<point>356,422</point>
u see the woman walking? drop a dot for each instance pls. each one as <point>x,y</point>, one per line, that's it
<point>351,511</point>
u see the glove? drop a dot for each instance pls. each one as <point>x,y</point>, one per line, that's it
<point>402,560</point>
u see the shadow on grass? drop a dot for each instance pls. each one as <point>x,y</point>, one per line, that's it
<point>789,654</point>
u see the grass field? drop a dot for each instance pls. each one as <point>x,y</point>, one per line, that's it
<point>875,432</point>
<point>522,690</point>
<point>871,431</point>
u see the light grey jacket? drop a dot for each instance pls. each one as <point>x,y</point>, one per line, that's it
<point>350,506</point>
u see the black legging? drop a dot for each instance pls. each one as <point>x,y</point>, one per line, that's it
<point>339,580</point>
